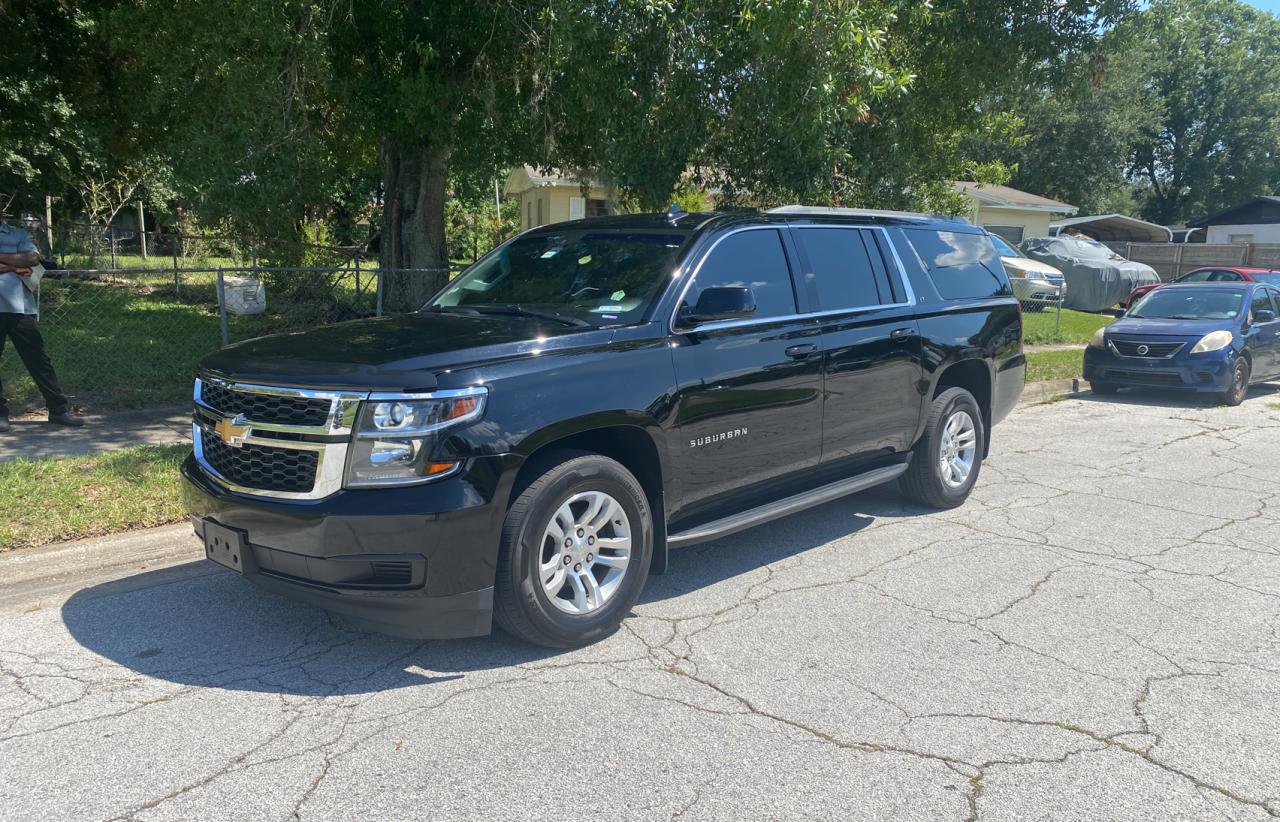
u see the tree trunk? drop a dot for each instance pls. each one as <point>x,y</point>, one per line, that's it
<point>414,179</point>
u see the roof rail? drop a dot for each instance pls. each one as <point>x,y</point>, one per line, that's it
<point>859,212</point>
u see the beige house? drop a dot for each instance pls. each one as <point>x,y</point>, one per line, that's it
<point>551,197</point>
<point>1014,215</point>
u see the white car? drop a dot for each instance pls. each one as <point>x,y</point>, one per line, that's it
<point>1037,285</point>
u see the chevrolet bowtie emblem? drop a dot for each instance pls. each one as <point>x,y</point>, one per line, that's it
<point>232,430</point>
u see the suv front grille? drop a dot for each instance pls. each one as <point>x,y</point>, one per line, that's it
<point>1154,350</point>
<point>1147,377</point>
<point>266,408</point>
<point>265,468</point>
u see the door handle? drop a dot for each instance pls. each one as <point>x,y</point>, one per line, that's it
<point>799,352</point>
<point>901,334</point>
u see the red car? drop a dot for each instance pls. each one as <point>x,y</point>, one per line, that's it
<point>1211,274</point>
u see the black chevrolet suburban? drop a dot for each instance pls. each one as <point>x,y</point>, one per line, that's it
<point>531,443</point>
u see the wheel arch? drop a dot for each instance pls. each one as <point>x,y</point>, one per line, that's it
<point>973,375</point>
<point>632,440</point>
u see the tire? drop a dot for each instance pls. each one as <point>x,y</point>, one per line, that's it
<point>923,482</point>
<point>1103,389</point>
<point>1239,383</point>
<point>573,482</point>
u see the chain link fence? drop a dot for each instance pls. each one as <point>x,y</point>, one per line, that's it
<point>131,338</point>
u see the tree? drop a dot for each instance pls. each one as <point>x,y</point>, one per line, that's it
<point>1214,78</point>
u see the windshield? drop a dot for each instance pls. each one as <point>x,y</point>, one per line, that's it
<point>1003,248</point>
<point>600,277</point>
<point>1190,304</point>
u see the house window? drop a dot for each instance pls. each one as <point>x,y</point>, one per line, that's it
<point>1240,238</point>
<point>528,215</point>
<point>597,208</point>
<point>539,211</point>
<point>1012,234</point>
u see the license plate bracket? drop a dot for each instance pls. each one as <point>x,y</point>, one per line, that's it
<point>228,547</point>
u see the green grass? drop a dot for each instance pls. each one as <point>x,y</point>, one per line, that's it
<point>133,345</point>
<point>103,261</point>
<point>54,500</point>
<point>1054,365</point>
<point>1041,328</point>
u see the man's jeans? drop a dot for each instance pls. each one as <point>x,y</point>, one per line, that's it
<point>25,333</point>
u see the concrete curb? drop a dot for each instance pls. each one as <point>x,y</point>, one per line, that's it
<point>41,576</point>
<point>1035,393</point>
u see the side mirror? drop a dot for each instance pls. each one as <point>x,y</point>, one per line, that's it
<point>1262,315</point>
<point>725,303</point>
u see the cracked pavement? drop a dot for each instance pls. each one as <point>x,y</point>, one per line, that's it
<point>1094,635</point>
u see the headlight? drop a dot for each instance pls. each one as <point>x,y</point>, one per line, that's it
<point>1213,341</point>
<point>1014,271</point>
<point>1099,338</point>
<point>395,435</point>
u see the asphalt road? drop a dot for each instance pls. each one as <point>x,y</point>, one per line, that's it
<point>1095,635</point>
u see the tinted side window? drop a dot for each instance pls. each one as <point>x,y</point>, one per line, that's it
<point>1196,277</point>
<point>1261,302</point>
<point>754,259</point>
<point>1225,277</point>
<point>961,265</point>
<point>842,269</point>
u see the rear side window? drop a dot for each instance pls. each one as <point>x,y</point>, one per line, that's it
<point>962,265</point>
<point>843,271</point>
<point>753,259</point>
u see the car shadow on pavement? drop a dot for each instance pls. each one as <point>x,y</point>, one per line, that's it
<point>199,626</point>
<point>1157,398</point>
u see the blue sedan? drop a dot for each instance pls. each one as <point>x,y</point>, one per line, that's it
<point>1208,337</point>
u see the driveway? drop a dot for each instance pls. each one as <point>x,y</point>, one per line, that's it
<point>1095,635</point>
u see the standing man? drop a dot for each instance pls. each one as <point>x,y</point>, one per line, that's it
<point>18,320</point>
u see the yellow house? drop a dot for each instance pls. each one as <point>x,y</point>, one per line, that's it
<point>551,197</point>
<point>1014,215</point>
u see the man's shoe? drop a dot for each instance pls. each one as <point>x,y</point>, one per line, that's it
<point>4,425</point>
<point>65,418</point>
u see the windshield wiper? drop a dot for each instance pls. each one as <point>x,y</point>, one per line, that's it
<point>521,311</point>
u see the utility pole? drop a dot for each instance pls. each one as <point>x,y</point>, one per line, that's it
<point>142,230</point>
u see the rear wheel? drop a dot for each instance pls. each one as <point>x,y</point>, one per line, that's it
<point>575,552</point>
<point>946,461</point>
<point>1103,388</point>
<point>1239,383</point>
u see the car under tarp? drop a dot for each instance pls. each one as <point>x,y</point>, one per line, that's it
<point>1097,277</point>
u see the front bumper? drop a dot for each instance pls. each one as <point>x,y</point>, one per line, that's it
<point>416,561</point>
<point>1206,373</point>
<point>1037,291</point>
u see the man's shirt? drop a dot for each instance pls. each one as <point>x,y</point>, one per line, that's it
<point>15,297</point>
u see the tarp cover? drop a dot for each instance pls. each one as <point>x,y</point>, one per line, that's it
<point>1097,277</point>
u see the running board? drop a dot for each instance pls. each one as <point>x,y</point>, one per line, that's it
<point>783,507</point>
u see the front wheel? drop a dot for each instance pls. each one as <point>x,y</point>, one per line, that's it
<point>946,461</point>
<point>1239,383</point>
<point>575,552</point>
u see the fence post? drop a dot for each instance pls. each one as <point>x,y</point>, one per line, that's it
<point>358,294</point>
<point>222,306</point>
<point>142,230</point>
<point>1177,260</point>
<point>1246,251</point>
<point>174,240</point>
<point>380,273</point>
<point>112,229</point>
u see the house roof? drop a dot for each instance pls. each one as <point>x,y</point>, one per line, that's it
<point>1006,197</point>
<point>1114,228</point>
<point>523,178</point>
<point>1220,217</point>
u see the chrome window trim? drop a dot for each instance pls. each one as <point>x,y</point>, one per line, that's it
<point>332,453</point>
<point>751,321</point>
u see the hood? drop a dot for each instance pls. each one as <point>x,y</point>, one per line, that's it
<point>1137,326</point>
<point>1032,266</point>
<point>393,352</point>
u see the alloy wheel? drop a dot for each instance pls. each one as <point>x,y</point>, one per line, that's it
<point>958,449</point>
<point>586,548</point>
